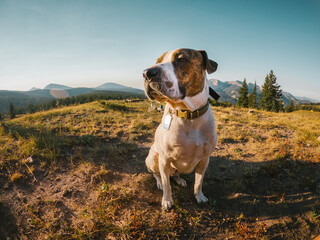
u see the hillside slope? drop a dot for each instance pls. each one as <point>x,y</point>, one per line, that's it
<point>78,173</point>
<point>19,99</point>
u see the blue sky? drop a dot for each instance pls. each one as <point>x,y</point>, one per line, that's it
<point>90,42</point>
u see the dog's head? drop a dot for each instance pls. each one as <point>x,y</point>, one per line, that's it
<point>178,74</point>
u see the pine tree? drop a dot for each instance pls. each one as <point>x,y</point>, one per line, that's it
<point>271,94</point>
<point>267,95</point>
<point>31,108</point>
<point>290,107</point>
<point>278,98</point>
<point>12,111</point>
<point>253,97</point>
<point>281,105</point>
<point>243,100</point>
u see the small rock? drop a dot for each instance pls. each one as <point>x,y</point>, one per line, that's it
<point>29,160</point>
<point>318,138</point>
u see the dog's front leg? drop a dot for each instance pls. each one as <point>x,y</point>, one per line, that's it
<point>200,170</point>
<point>164,167</point>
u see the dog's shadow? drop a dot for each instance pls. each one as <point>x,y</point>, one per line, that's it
<point>266,189</point>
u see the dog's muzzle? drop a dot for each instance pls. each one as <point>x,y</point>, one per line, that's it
<point>153,83</point>
<point>161,83</point>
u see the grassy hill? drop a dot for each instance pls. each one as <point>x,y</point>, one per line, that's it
<point>78,173</point>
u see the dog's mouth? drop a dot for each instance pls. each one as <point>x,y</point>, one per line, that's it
<point>155,90</point>
<point>159,91</point>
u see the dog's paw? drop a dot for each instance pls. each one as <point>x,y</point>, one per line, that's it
<point>180,181</point>
<point>201,198</point>
<point>167,204</point>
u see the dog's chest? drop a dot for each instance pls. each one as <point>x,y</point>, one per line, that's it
<point>191,142</point>
<point>188,149</point>
<point>184,145</point>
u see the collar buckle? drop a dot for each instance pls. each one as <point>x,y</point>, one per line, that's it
<point>187,114</point>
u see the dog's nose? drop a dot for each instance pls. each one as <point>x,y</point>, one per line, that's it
<point>150,73</point>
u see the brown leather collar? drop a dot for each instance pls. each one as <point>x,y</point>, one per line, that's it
<point>187,114</point>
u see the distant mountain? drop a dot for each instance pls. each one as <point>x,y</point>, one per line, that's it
<point>307,99</point>
<point>229,92</point>
<point>117,87</point>
<point>287,97</point>
<point>36,96</point>
<point>34,88</point>
<point>54,86</point>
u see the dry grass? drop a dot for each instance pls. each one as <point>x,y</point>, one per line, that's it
<point>87,178</point>
<point>15,176</point>
<point>267,131</point>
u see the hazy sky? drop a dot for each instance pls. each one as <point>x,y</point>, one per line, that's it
<point>90,42</point>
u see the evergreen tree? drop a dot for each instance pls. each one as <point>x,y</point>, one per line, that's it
<point>31,108</point>
<point>243,100</point>
<point>290,107</point>
<point>271,94</point>
<point>278,98</point>
<point>53,103</point>
<point>12,111</point>
<point>281,105</point>
<point>253,97</point>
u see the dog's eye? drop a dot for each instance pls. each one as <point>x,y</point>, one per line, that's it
<point>182,59</point>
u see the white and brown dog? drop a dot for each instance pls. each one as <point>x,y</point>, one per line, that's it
<point>186,136</point>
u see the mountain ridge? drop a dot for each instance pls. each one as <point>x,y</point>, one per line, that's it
<point>51,91</point>
<point>228,90</point>
<point>55,86</point>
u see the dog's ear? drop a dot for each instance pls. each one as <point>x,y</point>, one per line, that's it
<point>210,65</point>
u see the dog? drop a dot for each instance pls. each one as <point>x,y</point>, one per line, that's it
<point>186,136</point>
